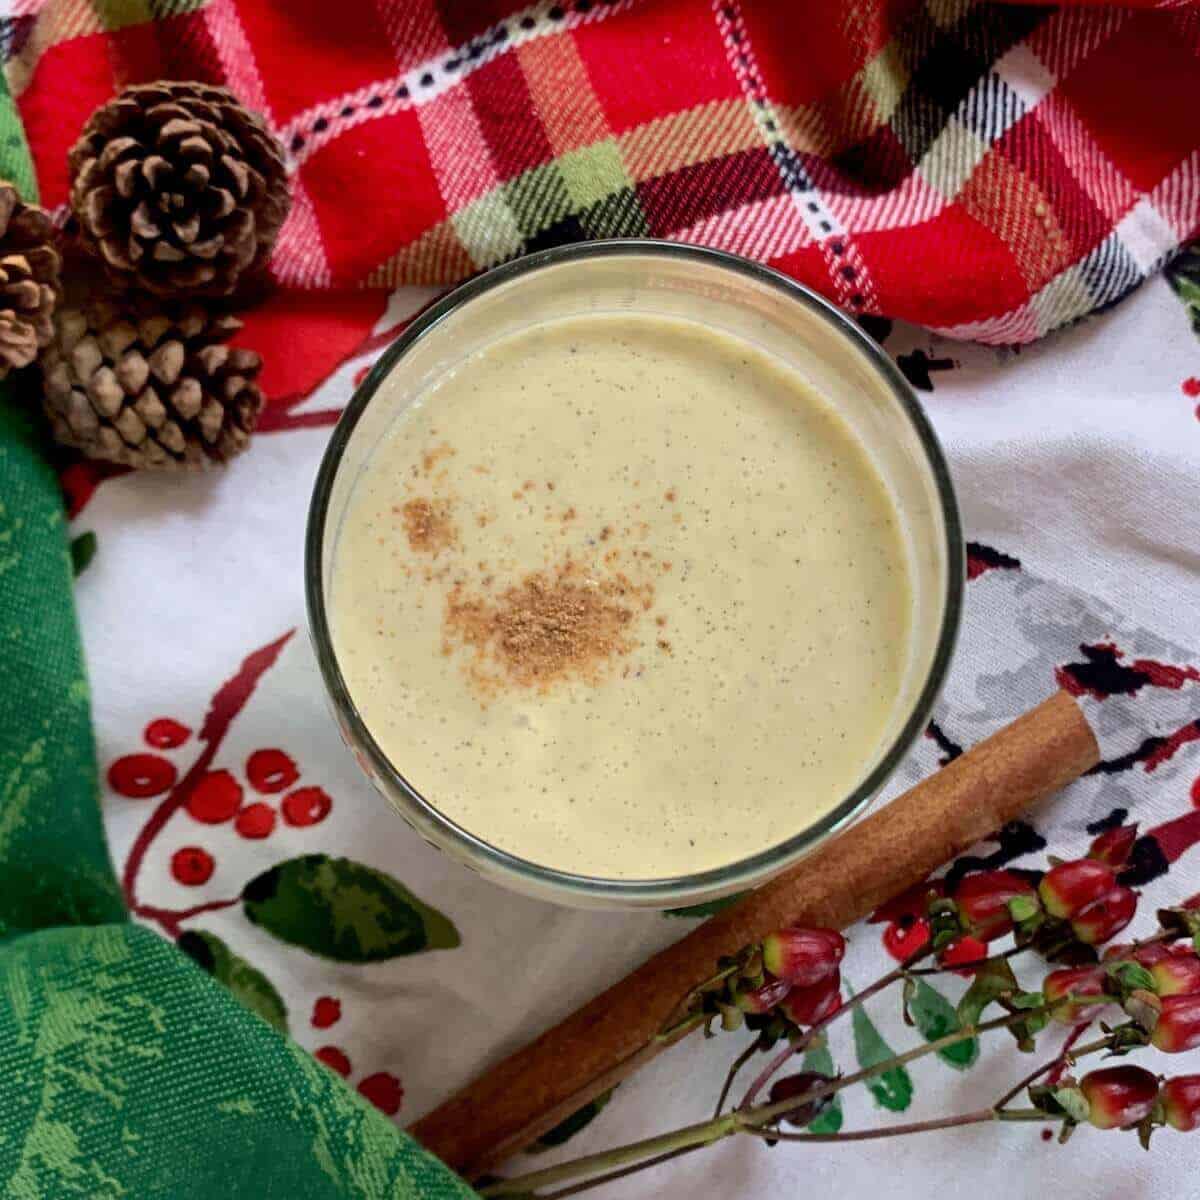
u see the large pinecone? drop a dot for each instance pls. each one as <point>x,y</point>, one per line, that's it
<point>150,388</point>
<point>178,189</point>
<point>29,280</point>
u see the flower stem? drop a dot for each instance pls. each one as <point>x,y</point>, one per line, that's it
<point>768,1112</point>
<point>866,1135</point>
<point>970,965</point>
<point>1103,1043</point>
<point>613,1176</point>
<point>741,1120</point>
<point>737,1064</point>
<point>688,1137</point>
<point>171,918</point>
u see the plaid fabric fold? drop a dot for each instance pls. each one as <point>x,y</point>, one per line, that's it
<point>991,171</point>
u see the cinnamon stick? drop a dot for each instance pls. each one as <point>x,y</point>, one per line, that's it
<point>847,878</point>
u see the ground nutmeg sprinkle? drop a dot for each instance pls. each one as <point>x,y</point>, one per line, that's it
<point>428,526</point>
<point>548,628</point>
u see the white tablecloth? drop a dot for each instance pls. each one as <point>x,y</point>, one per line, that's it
<point>1076,462</point>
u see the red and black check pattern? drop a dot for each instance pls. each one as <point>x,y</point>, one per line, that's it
<point>990,170</point>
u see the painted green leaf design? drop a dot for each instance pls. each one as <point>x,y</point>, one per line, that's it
<point>247,983</point>
<point>1183,274</point>
<point>570,1126</point>
<point>935,1017</point>
<point>893,1089</point>
<point>708,909</point>
<point>83,550</point>
<point>343,910</point>
<point>830,1121</point>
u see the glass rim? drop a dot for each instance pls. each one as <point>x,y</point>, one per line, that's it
<point>673,890</point>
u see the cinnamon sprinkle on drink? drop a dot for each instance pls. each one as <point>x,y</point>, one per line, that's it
<point>547,629</point>
<point>428,526</point>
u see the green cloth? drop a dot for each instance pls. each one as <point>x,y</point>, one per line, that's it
<point>125,1070</point>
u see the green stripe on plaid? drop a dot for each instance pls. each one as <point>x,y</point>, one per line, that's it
<point>538,198</point>
<point>120,14</point>
<point>589,185</point>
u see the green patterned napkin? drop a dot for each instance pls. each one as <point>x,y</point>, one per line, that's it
<point>125,1071</point>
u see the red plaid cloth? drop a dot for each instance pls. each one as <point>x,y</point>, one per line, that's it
<point>991,171</point>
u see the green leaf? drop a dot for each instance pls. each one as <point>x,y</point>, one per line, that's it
<point>1188,290</point>
<point>708,909</point>
<point>343,910</point>
<point>83,550</point>
<point>993,980</point>
<point>247,983</point>
<point>935,1018</point>
<point>570,1126</point>
<point>893,1089</point>
<point>830,1119</point>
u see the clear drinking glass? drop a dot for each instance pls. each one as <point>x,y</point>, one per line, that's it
<point>741,298</point>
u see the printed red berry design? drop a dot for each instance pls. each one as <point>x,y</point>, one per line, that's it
<point>271,771</point>
<point>334,1059</point>
<point>902,939</point>
<point>326,1011</point>
<point>164,733</point>
<point>215,798</point>
<point>306,806</point>
<point>139,776</point>
<point>192,866</point>
<point>255,821</point>
<point>1196,792</point>
<point>384,1091</point>
<point>966,949</point>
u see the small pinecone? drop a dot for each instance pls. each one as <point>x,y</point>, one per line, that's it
<point>178,189</point>
<point>29,280</point>
<point>150,388</point>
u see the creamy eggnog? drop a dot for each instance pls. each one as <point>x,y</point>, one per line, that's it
<point>623,596</point>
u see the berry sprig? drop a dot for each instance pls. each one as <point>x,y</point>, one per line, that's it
<point>789,981</point>
<point>1123,1098</point>
<point>788,989</point>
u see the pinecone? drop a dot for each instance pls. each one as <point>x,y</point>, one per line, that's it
<point>150,388</point>
<point>178,189</point>
<point>29,280</point>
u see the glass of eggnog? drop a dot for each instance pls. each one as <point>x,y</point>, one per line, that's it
<point>633,571</point>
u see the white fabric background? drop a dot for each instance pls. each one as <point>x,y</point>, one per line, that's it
<point>1078,456</point>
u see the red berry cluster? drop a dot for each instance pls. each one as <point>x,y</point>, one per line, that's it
<point>1126,1097</point>
<point>1085,893</point>
<point>217,796</point>
<point>382,1088</point>
<point>1076,906</point>
<point>806,964</point>
<point>793,978</point>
